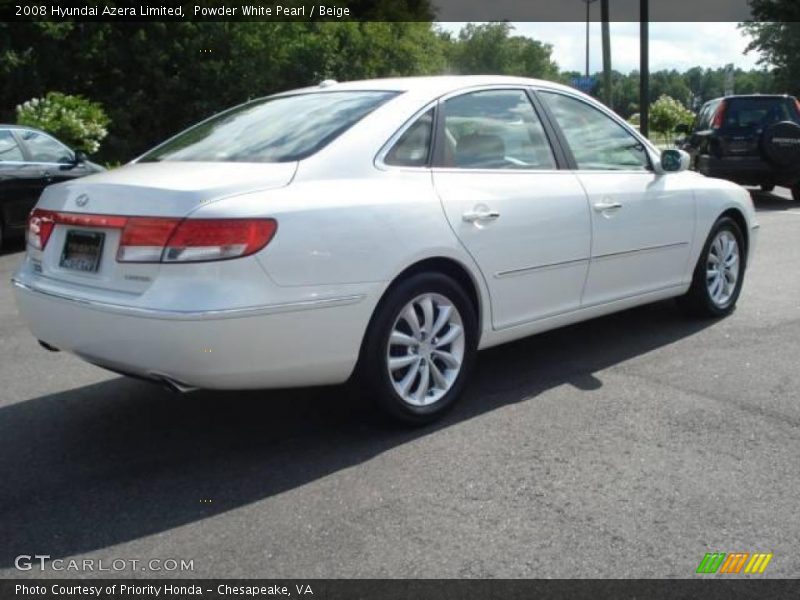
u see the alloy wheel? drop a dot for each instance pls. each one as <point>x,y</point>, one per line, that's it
<point>722,268</point>
<point>425,351</point>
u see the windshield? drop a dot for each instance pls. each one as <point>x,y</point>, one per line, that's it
<point>281,129</point>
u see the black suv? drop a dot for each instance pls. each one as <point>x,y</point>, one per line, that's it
<point>30,160</point>
<point>752,140</point>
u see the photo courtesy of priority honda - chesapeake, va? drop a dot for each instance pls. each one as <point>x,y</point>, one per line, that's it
<point>384,230</point>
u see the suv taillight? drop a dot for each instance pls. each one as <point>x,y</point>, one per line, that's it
<point>159,239</point>
<point>719,116</point>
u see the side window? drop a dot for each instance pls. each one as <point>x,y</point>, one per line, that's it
<point>494,129</point>
<point>414,146</point>
<point>43,148</point>
<point>9,149</point>
<point>597,141</point>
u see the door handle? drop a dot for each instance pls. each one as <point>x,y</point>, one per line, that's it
<point>480,215</point>
<point>601,206</point>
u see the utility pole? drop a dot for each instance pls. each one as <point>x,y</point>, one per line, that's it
<point>588,21</point>
<point>607,92</point>
<point>644,68</point>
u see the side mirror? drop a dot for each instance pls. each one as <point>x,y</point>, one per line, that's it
<point>80,157</point>
<point>682,128</point>
<point>672,161</point>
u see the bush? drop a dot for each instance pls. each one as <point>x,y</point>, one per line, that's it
<point>74,120</point>
<point>666,114</point>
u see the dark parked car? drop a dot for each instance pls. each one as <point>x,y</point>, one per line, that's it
<point>30,160</point>
<point>751,140</point>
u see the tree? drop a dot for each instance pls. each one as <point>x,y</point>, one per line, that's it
<point>154,79</point>
<point>775,30</point>
<point>490,48</point>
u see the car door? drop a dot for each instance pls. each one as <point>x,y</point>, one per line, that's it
<point>20,182</point>
<point>642,222</point>
<point>524,220</point>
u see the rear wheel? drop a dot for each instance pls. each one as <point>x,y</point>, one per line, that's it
<point>419,348</point>
<point>718,276</point>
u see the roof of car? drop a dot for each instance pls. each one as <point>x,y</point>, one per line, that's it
<point>432,84</point>
<point>761,96</point>
<point>16,126</point>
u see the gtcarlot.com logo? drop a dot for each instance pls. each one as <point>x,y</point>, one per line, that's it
<point>732,563</point>
<point>43,562</point>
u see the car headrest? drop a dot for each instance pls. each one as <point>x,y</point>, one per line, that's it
<point>478,149</point>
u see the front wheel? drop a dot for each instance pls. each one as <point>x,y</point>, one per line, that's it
<point>719,274</point>
<point>419,348</point>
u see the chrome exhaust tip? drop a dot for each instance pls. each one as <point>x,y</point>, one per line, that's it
<point>173,385</point>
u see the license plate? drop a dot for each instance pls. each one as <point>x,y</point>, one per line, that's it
<point>82,250</point>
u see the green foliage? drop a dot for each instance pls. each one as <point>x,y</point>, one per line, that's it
<point>74,120</point>
<point>667,113</point>
<point>154,79</point>
<point>490,48</point>
<point>775,30</point>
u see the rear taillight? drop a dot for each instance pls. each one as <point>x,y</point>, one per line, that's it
<point>143,239</point>
<point>40,226</point>
<point>216,239</point>
<point>146,239</point>
<point>719,116</point>
<point>158,239</point>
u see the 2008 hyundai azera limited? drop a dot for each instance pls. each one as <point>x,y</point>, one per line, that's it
<point>386,228</point>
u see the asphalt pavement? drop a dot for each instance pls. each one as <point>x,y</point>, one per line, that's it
<point>627,446</point>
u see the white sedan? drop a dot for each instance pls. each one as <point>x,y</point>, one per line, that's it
<point>386,228</point>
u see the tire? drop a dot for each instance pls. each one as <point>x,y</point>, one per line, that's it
<point>432,384</point>
<point>767,187</point>
<point>705,298</point>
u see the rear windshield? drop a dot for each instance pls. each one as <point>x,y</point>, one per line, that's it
<point>281,129</point>
<point>758,113</point>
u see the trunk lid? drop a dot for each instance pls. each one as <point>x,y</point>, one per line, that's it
<point>163,189</point>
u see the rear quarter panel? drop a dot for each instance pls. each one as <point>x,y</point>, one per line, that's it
<point>337,232</point>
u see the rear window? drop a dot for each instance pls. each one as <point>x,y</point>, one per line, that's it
<point>281,129</point>
<point>758,113</point>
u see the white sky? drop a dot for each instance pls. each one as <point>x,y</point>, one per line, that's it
<point>678,46</point>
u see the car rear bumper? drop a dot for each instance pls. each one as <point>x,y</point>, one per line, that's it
<point>746,170</point>
<point>276,345</point>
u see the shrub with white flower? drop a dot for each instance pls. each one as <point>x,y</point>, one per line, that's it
<point>74,120</point>
<point>667,113</point>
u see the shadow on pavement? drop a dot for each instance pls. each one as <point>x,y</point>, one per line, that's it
<point>768,201</point>
<point>112,462</point>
